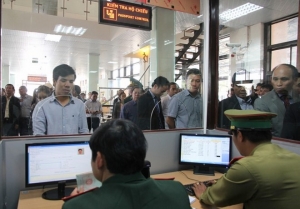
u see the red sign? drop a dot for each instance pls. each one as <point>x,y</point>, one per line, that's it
<point>36,78</point>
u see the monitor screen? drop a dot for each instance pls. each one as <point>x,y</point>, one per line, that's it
<point>56,163</point>
<point>205,151</point>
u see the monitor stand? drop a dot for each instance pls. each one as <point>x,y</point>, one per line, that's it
<point>203,170</point>
<point>59,193</point>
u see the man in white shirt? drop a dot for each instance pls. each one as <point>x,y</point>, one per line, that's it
<point>173,89</point>
<point>93,111</point>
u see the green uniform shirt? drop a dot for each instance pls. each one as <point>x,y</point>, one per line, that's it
<point>269,178</point>
<point>133,192</point>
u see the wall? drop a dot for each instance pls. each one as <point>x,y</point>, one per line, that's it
<point>251,40</point>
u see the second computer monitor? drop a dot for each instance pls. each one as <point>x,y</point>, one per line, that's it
<point>205,152</point>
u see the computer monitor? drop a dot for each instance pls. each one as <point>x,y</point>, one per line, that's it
<point>56,163</point>
<point>205,152</point>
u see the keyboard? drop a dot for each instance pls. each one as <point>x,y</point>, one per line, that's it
<point>189,187</point>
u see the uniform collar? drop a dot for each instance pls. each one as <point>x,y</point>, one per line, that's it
<point>120,178</point>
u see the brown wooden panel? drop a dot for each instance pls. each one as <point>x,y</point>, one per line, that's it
<point>187,6</point>
<point>213,64</point>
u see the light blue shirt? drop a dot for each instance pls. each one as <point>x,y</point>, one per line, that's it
<point>186,109</point>
<point>51,118</point>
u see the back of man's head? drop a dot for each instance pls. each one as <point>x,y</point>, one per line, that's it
<point>77,89</point>
<point>63,71</point>
<point>160,81</point>
<point>123,145</point>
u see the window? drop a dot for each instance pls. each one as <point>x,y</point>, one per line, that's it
<point>115,74</point>
<point>136,68</point>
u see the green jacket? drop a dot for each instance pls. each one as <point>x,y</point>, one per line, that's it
<point>133,192</point>
<point>269,178</point>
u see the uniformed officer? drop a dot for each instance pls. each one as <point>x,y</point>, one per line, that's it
<point>266,177</point>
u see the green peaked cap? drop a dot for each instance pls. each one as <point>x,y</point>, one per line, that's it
<point>135,82</point>
<point>250,119</point>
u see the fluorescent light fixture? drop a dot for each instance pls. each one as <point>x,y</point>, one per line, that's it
<point>69,30</point>
<point>240,11</point>
<point>112,62</point>
<point>50,37</point>
<point>93,71</point>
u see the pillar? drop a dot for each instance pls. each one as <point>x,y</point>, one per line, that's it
<point>162,44</point>
<point>93,66</point>
<point>5,75</point>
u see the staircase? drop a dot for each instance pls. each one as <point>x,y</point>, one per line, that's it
<point>189,52</point>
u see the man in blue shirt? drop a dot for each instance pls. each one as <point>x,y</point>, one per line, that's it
<point>185,108</point>
<point>61,113</point>
<point>129,110</point>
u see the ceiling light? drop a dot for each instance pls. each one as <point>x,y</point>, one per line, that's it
<point>237,12</point>
<point>93,71</point>
<point>112,62</point>
<point>50,37</point>
<point>69,30</point>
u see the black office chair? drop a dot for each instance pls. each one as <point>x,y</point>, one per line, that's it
<point>146,169</point>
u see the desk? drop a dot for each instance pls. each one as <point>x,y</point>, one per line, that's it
<point>179,176</point>
<point>32,199</point>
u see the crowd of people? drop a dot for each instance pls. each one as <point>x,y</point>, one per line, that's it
<point>61,108</point>
<point>119,146</point>
<point>280,97</point>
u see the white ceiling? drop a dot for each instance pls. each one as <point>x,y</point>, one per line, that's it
<point>23,34</point>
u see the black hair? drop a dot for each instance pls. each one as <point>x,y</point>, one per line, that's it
<point>123,145</point>
<point>10,85</point>
<point>136,87</point>
<point>94,92</point>
<point>45,89</point>
<point>193,71</point>
<point>267,86</point>
<point>77,89</point>
<point>255,136</point>
<point>259,84</point>
<point>292,68</point>
<point>23,87</point>
<point>172,83</point>
<point>63,70</point>
<point>160,81</point>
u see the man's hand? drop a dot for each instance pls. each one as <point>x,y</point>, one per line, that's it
<point>199,188</point>
<point>77,191</point>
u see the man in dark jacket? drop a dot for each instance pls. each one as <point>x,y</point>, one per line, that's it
<point>10,112</point>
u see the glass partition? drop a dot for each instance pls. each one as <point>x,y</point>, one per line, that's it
<point>260,39</point>
<point>28,51</point>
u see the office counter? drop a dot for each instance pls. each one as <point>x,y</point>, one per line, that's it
<point>32,199</point>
